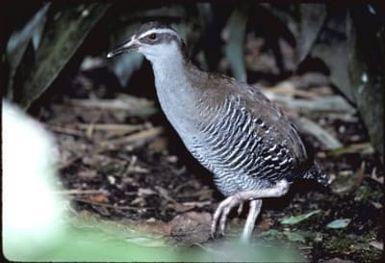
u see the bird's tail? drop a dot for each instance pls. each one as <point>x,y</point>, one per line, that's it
<point>316,173</point>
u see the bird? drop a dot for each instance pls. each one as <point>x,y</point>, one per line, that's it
<point>247,142</point>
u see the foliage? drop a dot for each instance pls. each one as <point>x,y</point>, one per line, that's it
<point>299,218</point>
<point>40,52</point>
<point>64,32</point>
<point>339,223</point>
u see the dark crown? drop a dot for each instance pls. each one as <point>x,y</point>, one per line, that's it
<point>152,25</point>
<point>161,37</point>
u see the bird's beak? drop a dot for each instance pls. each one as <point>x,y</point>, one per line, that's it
<point>127,47</point>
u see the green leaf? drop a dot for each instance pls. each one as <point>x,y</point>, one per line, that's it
<point>64,33</point>
<point>19,40</point>
<point>21,47</point>
<point>236,27</point>
<point>295,236</point>
<point>271,234</point>
<point>339,223</point>
<point>292,220</point>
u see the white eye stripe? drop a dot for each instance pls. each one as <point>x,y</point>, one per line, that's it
<point>130,42</point>
<point>159,31</point>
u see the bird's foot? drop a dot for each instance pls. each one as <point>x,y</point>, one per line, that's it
<point>222,212</point>
<point>224,208</point>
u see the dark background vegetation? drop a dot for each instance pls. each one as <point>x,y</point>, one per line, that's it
<point>323,62</point>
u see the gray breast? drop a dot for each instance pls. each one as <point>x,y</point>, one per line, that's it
<point>238,149</point>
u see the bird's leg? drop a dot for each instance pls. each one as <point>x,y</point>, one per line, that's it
<point>255,208</point>
<point>230,202</point>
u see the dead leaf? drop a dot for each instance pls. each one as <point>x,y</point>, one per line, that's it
<point>336,260</point>
<point>155,227</point>
<point>292,220</point>
<point>101,198</point>
<point>145,191</point>
<point>362,148</point>
<point>360,174</point>
<point>265,224</point>
<point>87,174</point>
<point>339,223</point>
<point>377,244</point>
<point>191,227</point>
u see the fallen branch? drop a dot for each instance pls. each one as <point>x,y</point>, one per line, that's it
<point>111,127</point>
<point>322,104</point>
<point>136,137</point>
<point>134,105</point>
<point>65,130</point>
<point>323,136</point>
<point>80,192</point>
<point>362,148</point>
<point>135,208</point>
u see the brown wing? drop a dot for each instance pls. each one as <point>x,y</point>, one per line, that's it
<point>281,130</point>
<point>273,125</point>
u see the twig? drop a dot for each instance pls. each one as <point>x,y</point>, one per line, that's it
<point>323,104</point>
<point>111,206</point>
<point>67,131</point>
<point>80,192</point>
<point>111,127</point>
<point>362,148</point>
<point>69,162</point>
<point>163,193</point>
<point>287,88</point>
<point>197,204</point>
<point>137,106</point>
<point>360,174</point>
<point>137,137</point>
<point>329,141</point>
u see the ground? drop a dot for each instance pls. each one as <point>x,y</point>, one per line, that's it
<point>121,160</point>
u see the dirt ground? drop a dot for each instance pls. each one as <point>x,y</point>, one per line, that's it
<point>121,160</point>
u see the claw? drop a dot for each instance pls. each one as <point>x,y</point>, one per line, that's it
<point>240,208</point>
<point>222,212</point>
<point>222,222</point>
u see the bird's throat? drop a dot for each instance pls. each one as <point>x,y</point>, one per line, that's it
<point>175,93</point>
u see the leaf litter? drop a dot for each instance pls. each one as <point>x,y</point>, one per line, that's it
<point>125,163</point>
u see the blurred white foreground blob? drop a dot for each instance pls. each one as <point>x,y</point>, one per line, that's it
<point>32,210</point>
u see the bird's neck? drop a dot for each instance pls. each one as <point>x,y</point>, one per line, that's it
<point>170,72</point>
<point>176,94</point>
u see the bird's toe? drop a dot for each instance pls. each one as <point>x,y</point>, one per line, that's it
<point>222,212</point>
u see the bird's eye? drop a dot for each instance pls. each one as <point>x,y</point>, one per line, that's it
<point>152,36</point>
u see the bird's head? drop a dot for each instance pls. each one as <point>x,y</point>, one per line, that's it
<point>154,40</point>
